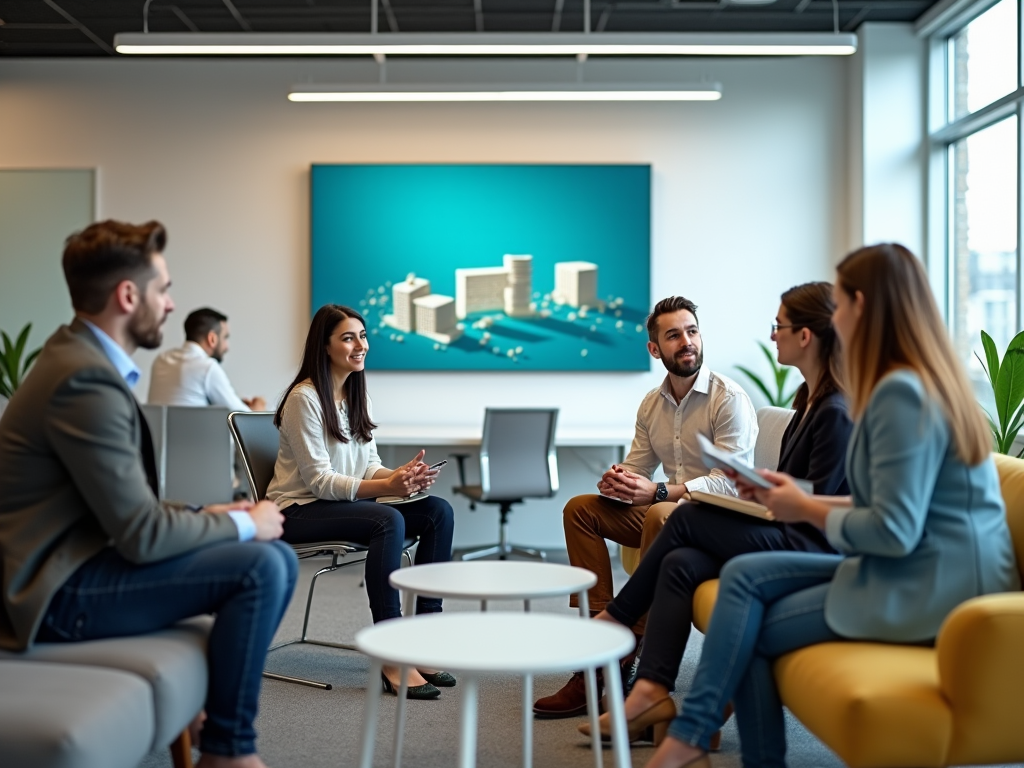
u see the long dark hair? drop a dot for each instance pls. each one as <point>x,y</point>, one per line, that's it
<point>316,366</point>
<point>811,306</point>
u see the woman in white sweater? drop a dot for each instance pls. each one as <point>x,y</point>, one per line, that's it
<point>328,474</point>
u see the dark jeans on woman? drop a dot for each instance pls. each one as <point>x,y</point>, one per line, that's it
<point>383,529</point>
<point>247,585</point>
<point>695,543</point>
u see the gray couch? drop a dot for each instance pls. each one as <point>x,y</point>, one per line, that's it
<point>103,703</point>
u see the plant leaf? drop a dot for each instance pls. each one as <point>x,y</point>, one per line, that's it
<point>992,355</point>
<point>1009,390</point>
<point>29,360</point>
<point>758,383</point>
<point>19,345</point>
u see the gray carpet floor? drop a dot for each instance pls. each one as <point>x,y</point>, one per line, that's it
<point>301,727</point>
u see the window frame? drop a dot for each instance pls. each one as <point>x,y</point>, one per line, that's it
<point>944,133</point>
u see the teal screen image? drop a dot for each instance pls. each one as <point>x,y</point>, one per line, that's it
<point>488,267</point>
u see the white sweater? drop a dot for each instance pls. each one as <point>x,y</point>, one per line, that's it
<point>313,465</point>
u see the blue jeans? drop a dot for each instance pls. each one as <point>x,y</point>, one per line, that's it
<point>247,585</point>
<point>768,604</point>
<point>382,529</point>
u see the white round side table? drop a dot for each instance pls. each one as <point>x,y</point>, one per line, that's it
<point>493,580</point>
<point>474,644</point>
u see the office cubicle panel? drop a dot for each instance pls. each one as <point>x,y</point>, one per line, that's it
<point>198,455</point>
<point>156,418</point>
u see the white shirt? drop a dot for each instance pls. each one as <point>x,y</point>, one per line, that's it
<point>313,465</point>
<point>188,376</point>
<point>666,431</point>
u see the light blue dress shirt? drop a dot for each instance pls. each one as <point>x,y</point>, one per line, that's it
<point>130,372</point>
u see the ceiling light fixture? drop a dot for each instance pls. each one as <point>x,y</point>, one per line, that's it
<point>485,44</point>
<point>487,92</point>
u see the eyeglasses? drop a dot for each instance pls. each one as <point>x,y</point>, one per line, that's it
<point>776,327</point>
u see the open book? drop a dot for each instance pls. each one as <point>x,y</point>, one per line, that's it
<point>751,508</point>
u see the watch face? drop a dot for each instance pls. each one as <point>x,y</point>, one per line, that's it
<point>662,492</point>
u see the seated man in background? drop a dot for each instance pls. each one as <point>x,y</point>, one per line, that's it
<point>192,375</point>
<point>87,548</point>
<point>631,508</point>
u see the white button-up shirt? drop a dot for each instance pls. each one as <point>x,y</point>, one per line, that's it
<point>666,431</point>
<point>187,375</point>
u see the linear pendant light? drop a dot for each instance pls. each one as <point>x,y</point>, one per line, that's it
<point>487,92</point>
<point>485,44</point>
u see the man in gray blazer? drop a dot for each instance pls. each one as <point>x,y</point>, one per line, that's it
<point>87,550</point>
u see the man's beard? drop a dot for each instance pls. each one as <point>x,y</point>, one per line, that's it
<point>217,355</point>
<point>674,366</point>
<point>146,329</point>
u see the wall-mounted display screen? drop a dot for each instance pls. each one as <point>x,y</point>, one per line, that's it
<point>488,267</point>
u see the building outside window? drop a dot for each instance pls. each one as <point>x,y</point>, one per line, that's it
<point>975,147</point>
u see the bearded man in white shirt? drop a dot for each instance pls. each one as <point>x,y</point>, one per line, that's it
<point>630,508</point>
<point>192,374</point>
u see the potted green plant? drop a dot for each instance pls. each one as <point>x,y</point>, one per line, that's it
<point>774,391</point>
<point>1006,377</point>
<point>12,367</point>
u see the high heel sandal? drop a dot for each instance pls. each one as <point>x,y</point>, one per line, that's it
<point>440,679</point>
<point>650,725</point>
<point>425,691</point>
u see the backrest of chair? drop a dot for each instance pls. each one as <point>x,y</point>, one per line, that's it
<point>517,455</point>
<point>771,426</point>
<point>1011,483</point>
<point>258,441</point>
<point>198,455</point>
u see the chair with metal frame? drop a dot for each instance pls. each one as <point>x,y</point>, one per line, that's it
<point>517,462</point>
<point>258,442</point>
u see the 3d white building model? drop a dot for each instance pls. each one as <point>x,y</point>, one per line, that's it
<point>520,285</point>
<point>435,318</point>
<point>480,289</point>
<point>403,295</point>
<point>575,283</point>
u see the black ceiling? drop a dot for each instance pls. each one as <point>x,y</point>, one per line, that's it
<point>87,27</point>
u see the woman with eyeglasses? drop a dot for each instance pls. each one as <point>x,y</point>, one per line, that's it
<point>698,539</point>
<point>924,530</point>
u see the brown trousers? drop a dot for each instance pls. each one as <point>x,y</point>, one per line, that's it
<point>591,519</point>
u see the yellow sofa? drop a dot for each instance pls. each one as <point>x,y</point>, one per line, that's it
<point>891,706</point>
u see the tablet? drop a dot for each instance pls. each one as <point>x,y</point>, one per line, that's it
<point>715,458</point>
<point>614,498</point>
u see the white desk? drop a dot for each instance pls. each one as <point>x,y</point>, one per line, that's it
<point>447,435</point>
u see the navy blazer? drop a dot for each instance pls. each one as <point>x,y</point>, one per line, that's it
<point>814,449</point>
<point>926,531</point>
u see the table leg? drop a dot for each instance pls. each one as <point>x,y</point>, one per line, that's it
<point>483,606</point>
<point>370,711</point>
<point>584,605</point>
<point>403,691</point>
<point>408,603</point>
<point>526,606</point>
<point>617,714</point>
<point>593,710</point>
<point>467,745</point>
<point>527,721</point>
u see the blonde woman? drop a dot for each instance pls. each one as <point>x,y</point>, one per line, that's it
<point>924,529</point>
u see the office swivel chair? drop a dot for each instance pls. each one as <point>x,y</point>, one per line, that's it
<point>517,462</point>
<point>258,442</point>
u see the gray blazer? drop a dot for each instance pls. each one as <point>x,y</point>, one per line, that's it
<point>926,531</point>
<point>73,481</point>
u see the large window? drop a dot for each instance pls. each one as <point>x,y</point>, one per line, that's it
<point>975,148</point>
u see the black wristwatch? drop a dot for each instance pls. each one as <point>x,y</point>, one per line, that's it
<point>662,493</point>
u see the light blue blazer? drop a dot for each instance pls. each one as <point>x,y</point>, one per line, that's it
<point>925,532</point>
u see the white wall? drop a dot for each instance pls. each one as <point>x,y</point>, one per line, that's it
<point>748,198</point>
<point>887,127</point>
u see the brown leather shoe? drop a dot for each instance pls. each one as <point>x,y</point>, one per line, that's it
<point>570,701</point>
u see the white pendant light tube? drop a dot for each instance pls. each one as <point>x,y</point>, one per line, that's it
<point>485,44</point>
<point>487,92</point>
